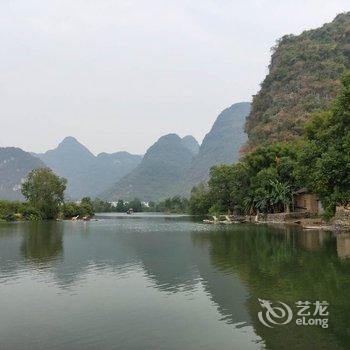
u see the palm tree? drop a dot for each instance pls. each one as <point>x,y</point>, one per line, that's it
<point>281,194</point>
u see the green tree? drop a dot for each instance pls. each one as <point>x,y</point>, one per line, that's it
<point>70,209</point>
<point>174,204</point>
<point>100,206</point>
<point>135,204</point>
<point>281,195</point>
<point>121,207</point>
<point>325,160</point>
<point>45,191</point>
<point>263,181</point>
<point>200,201</point>
<point>221,185</point>
<point>86,206</point>
<point>152,206</point>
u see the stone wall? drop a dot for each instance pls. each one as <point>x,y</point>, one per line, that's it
<point>283,217</point>
<point>342,216</point>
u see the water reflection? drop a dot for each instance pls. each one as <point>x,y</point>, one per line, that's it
<point>343,245</point>
<point>227,268</point>
<point>42,246</point>
<point>312,240</point>
<point>288,265</point>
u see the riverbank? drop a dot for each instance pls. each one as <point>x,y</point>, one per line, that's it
<point>178,269</point>
<point>25,211</point>
<point>296,219</point>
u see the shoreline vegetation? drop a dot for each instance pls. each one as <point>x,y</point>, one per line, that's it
<point>263,186</point>
<point>87,208</point>
<point>268,180</point>
<point>44,194</point>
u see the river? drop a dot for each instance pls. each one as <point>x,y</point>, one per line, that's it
<point>152,281</point>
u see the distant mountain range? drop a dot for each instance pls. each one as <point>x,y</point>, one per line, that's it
<point>221,145</point>
<point>88,175</point>
<point>171,166</point>
<point>159,173</point>
<point>191,144</point>
<point>15,164</point>
<point>304,76</point>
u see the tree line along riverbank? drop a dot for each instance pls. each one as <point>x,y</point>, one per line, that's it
<point>284,176</point>
<point>268,180</point>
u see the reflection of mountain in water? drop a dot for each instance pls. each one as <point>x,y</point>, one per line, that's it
<point>161,247</point>
<point>41,245</point>
<point>224,287</point>
<point>288,265</point>
<point>234,265</point>
<point>88,248</point>
<point>166,257</point>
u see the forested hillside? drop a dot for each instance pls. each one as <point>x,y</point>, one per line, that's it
<point>172,166</point>
<point>303,77</point>
<point>158,175</point>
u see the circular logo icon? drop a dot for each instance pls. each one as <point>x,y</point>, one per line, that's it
<point>274,315</point>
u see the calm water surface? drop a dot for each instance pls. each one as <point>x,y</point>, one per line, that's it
<point>166,282</point>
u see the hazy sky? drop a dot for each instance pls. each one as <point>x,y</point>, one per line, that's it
<point>119,74</point>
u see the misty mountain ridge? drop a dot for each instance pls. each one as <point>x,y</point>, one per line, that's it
<point>191,144</point>
<point>221,145</point>
<point>172,166</point>
<point>87,174</point>
<point>15,164</point>
<point>158,174</point>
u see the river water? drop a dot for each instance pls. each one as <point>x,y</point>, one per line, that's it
<point>151,281</point>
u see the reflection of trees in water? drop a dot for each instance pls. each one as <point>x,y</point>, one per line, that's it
<point>343,245</point>
<point>288,265</point>
<point>225,290</point>
<point>235,264</point>
<point>166,258</point>
<point>42,242</point>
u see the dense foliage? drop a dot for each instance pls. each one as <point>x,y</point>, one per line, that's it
<point>303,77</point>
<point>121,206</point>
<point>174,204</point>
<point>82,209</point>
<point>325,159</point>
<point>14,210</point>
<point>44,191</point>
<point>265,179</point>
<point>200,200</point>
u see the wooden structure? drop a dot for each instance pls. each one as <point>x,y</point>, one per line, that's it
<point>305,201</point>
